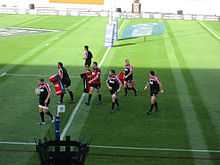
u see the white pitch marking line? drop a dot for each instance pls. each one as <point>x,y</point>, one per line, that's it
<point>40,29</point>
<point>210,30</point>
<point>124,147</point>
<point>3,74</point>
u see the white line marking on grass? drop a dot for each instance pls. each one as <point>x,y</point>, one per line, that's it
<point>3,74</point>
<point>210,30</point>
<point>17,143</point>
<point>154,149</point>
<point>40,29</point>
<point>76,109</point>
<point>124,147</point>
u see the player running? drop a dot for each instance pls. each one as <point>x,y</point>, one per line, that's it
<point>114,86</point>
<point>87,56</point>
<point>155,87</point>
<point>44,100</point>
<point>128,81</point>
<point>95,83</point>
<point>65,79</point>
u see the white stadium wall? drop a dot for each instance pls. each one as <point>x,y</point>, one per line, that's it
<point>171,6</point>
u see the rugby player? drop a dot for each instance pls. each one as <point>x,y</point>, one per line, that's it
<point>44,100</point>
<point>128,81</point>
<point>65,79</point>
<point>87,56</point>
<point>155,87</point>
<point>86,77</point>
<point>95,83</point>
<point>114,86</point>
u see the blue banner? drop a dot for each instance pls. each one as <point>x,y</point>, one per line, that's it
<point>140,30</point>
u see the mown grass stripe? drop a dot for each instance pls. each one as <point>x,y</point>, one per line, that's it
<point>193,127</point>
<point>30,54</point>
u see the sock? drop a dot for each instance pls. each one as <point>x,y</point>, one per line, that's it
<point>126,91</point>
<point>49,114</point>
<point>151,108</point>
<point>100,97</point>
<point>89,99</point>
<point>116,101</point>
<point>156,106</point>
<point>135,91</point>
<point>71,94</point>
<point>113,105</point>
<point>61,98</point>
<point>42,116</point>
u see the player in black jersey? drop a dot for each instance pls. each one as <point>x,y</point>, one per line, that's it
<point>44,93</point>
<point>65,79</point>
<point>114,86</point>
<point>155,87</point>
<point>128,81</point>
<point>87,56</point>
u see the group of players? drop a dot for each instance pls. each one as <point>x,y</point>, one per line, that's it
<point>92,82</point>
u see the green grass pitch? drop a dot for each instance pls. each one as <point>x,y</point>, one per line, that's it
<point>186,58</point>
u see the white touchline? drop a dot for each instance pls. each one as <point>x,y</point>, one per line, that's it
<point>76,109</point>
<point>124,147</point>
<point>210,30</point>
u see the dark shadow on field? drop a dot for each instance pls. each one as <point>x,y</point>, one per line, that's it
<point>127,127</point>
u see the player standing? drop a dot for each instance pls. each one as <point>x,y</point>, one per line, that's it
<point>44,100</point>
<point>86,77</point>
<point>65,79</point>
<point>114,86</point>
<point>129,82</point>
<point>155,87</point>
<point>95,83</point>
<point>87,56</point>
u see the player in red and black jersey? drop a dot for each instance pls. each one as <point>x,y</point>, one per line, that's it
<point>95,83</point>
<point>44,100</point>
<point>65,79</point>
<point>87,56</point>
<point>155,87</point>
<point>114,86</point>
<point>86,76</point>
<point>128,81</point>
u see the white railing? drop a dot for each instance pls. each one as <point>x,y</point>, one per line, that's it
<point>89,12</point>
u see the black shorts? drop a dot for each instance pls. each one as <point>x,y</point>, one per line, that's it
<point>114,91</point>
<point>42,104</point>
<point>129,78</point>
<point>88,62</point>
<point>154,93</point>
<point>66,84</point>
<point>96,86</point>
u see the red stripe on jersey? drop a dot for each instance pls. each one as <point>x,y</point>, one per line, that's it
<point>155,78</point>
<point>48,87</point>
